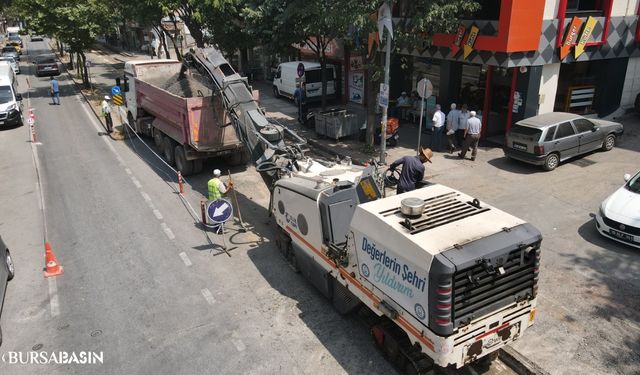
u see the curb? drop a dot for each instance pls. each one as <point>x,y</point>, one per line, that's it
<point>519,363</point>
<point>80,90</point>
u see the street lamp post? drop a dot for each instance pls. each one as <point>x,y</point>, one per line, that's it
<point>385,109</point>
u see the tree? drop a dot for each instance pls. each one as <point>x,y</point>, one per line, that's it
<point>73,22</point>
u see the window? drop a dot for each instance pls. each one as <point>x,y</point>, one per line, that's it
<point>315,75</point>
<point>565,130</point>
<point>550,132</point>
<point>489,10</point>
<point>585,7</point>
<point>583,125</point>
<point>6,95</point>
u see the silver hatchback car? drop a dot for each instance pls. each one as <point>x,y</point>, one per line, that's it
<point>550,138</point>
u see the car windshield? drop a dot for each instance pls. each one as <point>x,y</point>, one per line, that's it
<point>634,184</point>
<point>9,49</point>
<point>46,60</point>
<point>5,94</point>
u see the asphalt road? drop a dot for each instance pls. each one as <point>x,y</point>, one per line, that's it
<point>141,282</point>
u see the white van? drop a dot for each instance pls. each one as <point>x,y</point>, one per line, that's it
<point>10,100</point>
<point>284,81</point>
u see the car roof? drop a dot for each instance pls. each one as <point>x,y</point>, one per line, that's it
<point>546,119</point>
<point>307,64</point>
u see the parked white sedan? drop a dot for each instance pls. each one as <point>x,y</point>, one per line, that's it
<point>619,214</point>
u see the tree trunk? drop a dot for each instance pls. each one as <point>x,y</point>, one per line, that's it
<point>323,74</point>
<point>85,75</point>
<point>78,64</point>
<point>71,61</point>
<point>195,29</point>
<point>163,40</point>
<point>60,48</point>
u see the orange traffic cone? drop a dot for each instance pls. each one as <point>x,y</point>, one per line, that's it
<point>52,268</point>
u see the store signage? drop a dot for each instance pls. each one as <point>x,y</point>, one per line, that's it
<point>584,37</point>
<point>471,41</point>
<point>455,47</point>
<point>571,37</point>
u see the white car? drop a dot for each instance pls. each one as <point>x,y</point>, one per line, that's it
<point>619,214</point>
<point>14,64</point>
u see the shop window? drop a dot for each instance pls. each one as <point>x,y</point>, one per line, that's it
<point>586,7</point>
<point>489,10</point>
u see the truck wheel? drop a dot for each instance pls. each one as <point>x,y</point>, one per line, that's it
<point>157,137</point>
<point>131,121</point>
<point>167,150</point>
<point>198,165</point>
<point>182,164</point>
<point>238,158</point>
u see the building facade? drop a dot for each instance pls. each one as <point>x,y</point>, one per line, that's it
<point>518,58</point>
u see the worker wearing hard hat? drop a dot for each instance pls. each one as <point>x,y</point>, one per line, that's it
<point>106,112</point>
<point>412,169</point>
<point>216,187</point>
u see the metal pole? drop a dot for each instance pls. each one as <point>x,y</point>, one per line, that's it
<point>385,110</point>
<point>421,112</point>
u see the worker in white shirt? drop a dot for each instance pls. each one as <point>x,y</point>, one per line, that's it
<point>453,122</point>
<point>106,113</point>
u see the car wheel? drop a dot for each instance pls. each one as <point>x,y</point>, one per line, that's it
<point>10,266</point>
<point>609,142</point>
<point>551,162</point>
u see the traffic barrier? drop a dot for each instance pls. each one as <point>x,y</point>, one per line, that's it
<point>52,267</point>
<point>203,210</point>
<point>180,182</point>
<point>34,136</point>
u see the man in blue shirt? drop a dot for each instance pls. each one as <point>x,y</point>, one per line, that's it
<point>55,91</point>
<point>412,170</point>
<point>300,98</point>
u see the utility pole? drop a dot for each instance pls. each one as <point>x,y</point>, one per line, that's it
<point>385,110</point>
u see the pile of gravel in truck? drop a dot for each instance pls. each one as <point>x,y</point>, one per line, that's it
<point>187,85</point>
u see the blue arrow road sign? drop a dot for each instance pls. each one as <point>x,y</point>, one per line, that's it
<point>115,90</point>
<point>219,210</point>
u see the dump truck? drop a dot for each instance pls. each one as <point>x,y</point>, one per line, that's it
<point>450,279</point>
<point>175,106</point>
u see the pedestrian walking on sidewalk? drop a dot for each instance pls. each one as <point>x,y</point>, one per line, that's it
<point>471,136</point>
<point>453,122</point>
<point>106,112</point>
<point>300,99</point>
<point>462,125</point>
<point>216,187</point>
<point>412,170</point>
<point>438,127</point>
<point>55,91</point>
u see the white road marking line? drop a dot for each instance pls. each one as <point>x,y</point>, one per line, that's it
<point>53,297</point>
<point>136,182</point>
<point>185,259</point>
<point>128,171</point>
<point>238,344</point>
<point>158,214</point>
<point>145,196</point>
<point>167,231</point>
<point>208,296</point>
